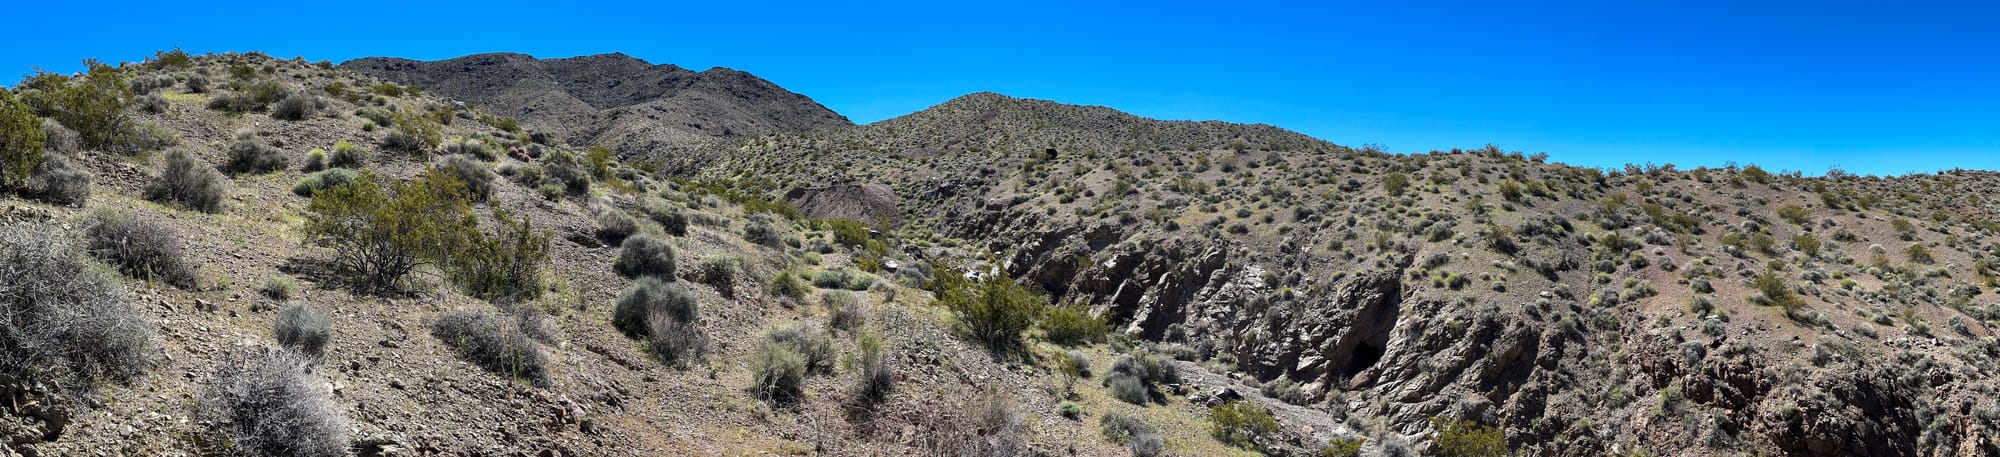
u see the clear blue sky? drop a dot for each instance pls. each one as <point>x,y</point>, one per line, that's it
<point>1873,87</point>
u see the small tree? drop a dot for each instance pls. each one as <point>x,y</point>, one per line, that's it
<point>21,140</point>
<point>94,106</point>
<point>380,235</point>
<point>505,266</point>
<point>992,310</point>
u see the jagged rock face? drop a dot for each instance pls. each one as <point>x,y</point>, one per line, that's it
<point>612,99</point>
<point>872,203</point>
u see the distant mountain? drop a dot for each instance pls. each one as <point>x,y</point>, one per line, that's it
<point>614,99</point>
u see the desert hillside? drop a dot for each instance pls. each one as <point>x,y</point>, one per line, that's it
<point>235,254</point>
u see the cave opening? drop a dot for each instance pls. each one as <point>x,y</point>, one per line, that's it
<point>1365,355</point>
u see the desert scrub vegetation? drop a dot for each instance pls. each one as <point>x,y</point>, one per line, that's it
<point>247,154</point>
<point>643,255</point>
<point>673,219</point>
<point>788,286</point>
<point>267,403</point>
<point>346,155</point>
<point>323,180</point>
<point>1243,424</point>
<point>1463,438</point>
<point>1142,438</point>
<point>1134,377</point>
<point>140,247</point>
<point>843,310</point>
<point>612,224</point>
<point>188,182</point>
<point>992,311</point>
<point>303,329</point>
<point>878,378</point>
<point>21,141</point>
<point>414,132</point>
<point>67,321</point>
<point>494,342</point>
<point>1073,325</point>
<point>297,107</point>
<point>93,105</point>
<point>380,235</point>
<point>478,178</point>
<point>777,373</point>
<point>666,315</point>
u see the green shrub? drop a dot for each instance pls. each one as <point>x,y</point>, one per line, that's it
<point>94,106</point>
<point>278,288</point>
<point>316,182</point>
<point>493,342</point>
<point>379,235</point>
<point>315,160</point>
<point>721,270</point>
<point>848,232</point>
<point>992,311</point>
<point>832,279</point>
<point>1918,254</point>
<point>1133,377</point>
<point>1464,438</point>
<point>504,266</point>
<point>297,107</point>
<point>844,312</point>
<point>671,218</point>
<point>414,133</point>
<point>612,224</point>
<point>763,230</point>
<point>777,372</point>
<point>645,256</point>
<point>1142,438</point>
<point>67,322</point>
<point>813,345</point>
<point>1341,447</point>
<point>346,155</point>
<point>1074,325</point>
<point>1795,214</point>
<point>1774,290</point>
<point>267,402</point>
<point>1285,390</point>
<point>247,155</point>
<point>673,341</point>
<point>304,329</point>
<point>565,169</point>
<point>650,295</point>
<point>1395,183</point>
<point>21,141</point>
<point>140,247</point>
<point>877,377</point>
<point>1243,424</point>
<point>788,286</point>
<point>478,178</point>
<point>471,147</point>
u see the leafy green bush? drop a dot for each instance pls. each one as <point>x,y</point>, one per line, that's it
<point>247,155</point>
<point>140,247</point>
<point>504,266</point>
<point>302,328</point>
<point>414,133</point>
<point>721,270</point>
<point>788,286</point>
<point>1074,325</point>
<point>848,232</point>
<point>643,255</point>
<point>473,147</point>
<point>493,342</point>
<point>1464,438</point>
<point>67,322</point>
<point>1242,423</point>
<point>1774,290</point>
<point>478,178</point>
<point>94,106</point>
<point>297,107</point>
<point>992,311</point>
<point>21,141</point>
<point>316,182</point>
<point>267,402</point>
<point>763,229</point>
<point>1395,183</point>
<point>1795,214</point>
<point>379,235</point>
<point>650,295</point>
<point>613,225</point>
<point>346,155</point>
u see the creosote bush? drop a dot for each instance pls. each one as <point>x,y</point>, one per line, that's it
<point>268,403</point>
<point>1073,325</point>
<point>478,178</point>
<point>188,182</point>
<point>721,270</point>
<point>21,141</point>
<point>1464,438</point>
<point>66,321</point>
<point>504,266</point>
<point>992,311</point>
<point>645,256</point>
<point>301,328</point>
<point>1242,423</point>
<point>324,180</point>
<point>788,286</point>
<point>140,247</point>
<point>346,155</point>
<point>494,342</point>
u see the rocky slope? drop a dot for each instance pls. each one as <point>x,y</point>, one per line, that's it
<point>635,107</point>
<point>1580,311</point>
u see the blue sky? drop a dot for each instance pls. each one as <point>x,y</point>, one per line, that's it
<point>1871,87</point>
